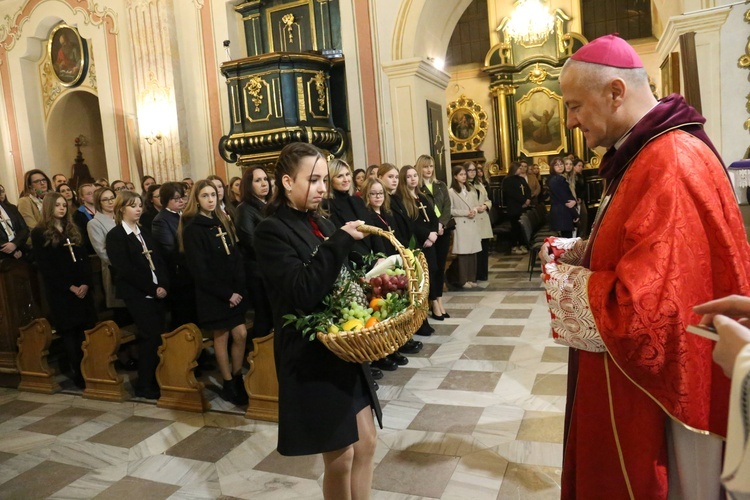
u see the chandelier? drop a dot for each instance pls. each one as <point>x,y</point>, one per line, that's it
<point>531,23</point>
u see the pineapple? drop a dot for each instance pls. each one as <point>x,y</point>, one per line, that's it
<point>346,289</point>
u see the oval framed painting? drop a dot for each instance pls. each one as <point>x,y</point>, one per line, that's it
<point>68,54</point>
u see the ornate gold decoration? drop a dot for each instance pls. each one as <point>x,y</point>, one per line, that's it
<point>287,6</point>
<point>467,124</point>
<point>254,87</point>
<point>257,88</point>
<point>501,95</point>
<point>744,62</point>
<point>301,99</point>
<point>320,86</point>
<point>537,75</point>
<point>288,21</point>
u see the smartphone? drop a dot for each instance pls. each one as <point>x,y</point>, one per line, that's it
<point>705,331</point>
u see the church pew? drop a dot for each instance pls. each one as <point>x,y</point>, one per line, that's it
<point>19,305</point>
<point>261,383</point>
<point>178,356</point>
<point>98,366</point>
<point>34,341</point>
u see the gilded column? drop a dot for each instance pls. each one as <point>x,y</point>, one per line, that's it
<point>578,144</point>
<point>154,48</point>
<point>501,94</point>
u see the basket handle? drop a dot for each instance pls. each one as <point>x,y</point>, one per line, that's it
<point>411,279</point>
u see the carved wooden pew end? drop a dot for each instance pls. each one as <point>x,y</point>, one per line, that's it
<point>178,356</point>
<point>98,366</point>
<point>33,348</point>
<point>261,383</point>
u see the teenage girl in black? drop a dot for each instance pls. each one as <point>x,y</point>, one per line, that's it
<point>66,271</point>
<point>209,241</point>
<point>141,280</point>
<point>325,403</point>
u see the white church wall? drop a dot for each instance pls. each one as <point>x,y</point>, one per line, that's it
<point>734,85</point>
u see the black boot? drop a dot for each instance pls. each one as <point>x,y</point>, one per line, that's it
<point>229,391</point>
<point>239,383</point>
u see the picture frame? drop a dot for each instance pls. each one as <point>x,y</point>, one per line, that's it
<point>670,75</point>
<point>437,144</point>
<point>540,117</point>
<point>467,122</point>
<point>68,54</point>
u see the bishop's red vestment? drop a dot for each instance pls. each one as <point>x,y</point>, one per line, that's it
<point>670,236</point>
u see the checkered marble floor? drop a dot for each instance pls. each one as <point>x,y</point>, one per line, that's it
<point>477,414</point>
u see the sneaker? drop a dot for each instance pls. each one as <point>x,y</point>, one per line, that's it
<point>467,285</point>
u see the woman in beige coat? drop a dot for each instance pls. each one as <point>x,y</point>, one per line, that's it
<point>467,240</point>
<point>483,218</point>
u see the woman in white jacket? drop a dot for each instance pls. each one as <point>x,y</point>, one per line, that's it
<point>483,218</point>
<point>467,240</point>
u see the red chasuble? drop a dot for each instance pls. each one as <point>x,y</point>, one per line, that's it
<point>670,237</point>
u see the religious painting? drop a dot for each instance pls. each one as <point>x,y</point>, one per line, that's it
<point>68,55</point>
<point>468,125</point>
<point>670,75</point>
<point>437,144</point>
<point>541,124</point>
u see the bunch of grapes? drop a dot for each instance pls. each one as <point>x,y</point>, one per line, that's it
<point>356,311</point>
<point>393,280</point>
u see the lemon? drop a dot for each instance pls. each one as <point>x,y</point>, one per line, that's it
<point>353,325</point>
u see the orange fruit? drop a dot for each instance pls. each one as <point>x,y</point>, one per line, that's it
<point>371,322</point>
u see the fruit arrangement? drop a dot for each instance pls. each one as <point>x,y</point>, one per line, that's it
<point>358,300</point>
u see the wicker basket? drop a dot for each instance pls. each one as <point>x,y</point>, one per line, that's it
<point>385,337</point>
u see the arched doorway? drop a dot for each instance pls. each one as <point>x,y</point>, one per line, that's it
<point>76,113</point>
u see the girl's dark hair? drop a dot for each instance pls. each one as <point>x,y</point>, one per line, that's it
<point>513,168</point>
<point>168,190</point>
<point>75,197</point>
<point>356,173</point>
<point>230,194</point>
<point>552,162</point>
<point>52,236</point>
<point>148,201</point>
<point>454,172</point>
<point>143,181</point>
<point>288,164</point>
<point>246,187</point>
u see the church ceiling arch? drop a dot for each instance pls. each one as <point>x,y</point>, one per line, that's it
<point>424,27</point>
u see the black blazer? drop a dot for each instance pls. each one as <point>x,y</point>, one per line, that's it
<point>164,230</point>
<point>248,218</point>
<point>59,273</point>
<point>20,229</point>
<point>404,225</point>
<point>317,407</point>
<point>515,193</point>
<point>385,221</point>
<point>217,275</point>
<point>561,217</point>
<point>132,273</point>
<point>422,225</point>
<point>147,220</point>
<point>81,220</point>
<point>344,208</point>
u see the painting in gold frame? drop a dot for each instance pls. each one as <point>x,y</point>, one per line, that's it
<point>68,54</point>
<point>541,124</point>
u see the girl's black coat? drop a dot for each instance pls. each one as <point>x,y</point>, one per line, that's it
<point>59,273</point>
<point>132,272</point>
<point>316,410</point>
<point>344,208</point>
<point>217,275</point>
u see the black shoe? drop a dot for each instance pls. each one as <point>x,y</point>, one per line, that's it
<point>385,364</point>
<point>446,315</point>
<point>425,330</point>
<point>410,347</point>
<point>239,383</point>
<point>399,358</point>
<point>130,365</point>
<point>149,393</point>
<point>375,386</point>
<point>376,373</point>
<point>79,381</point>
<point>229,392</point>
<point>436,317</point>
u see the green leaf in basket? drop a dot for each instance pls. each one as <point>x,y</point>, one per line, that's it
<point>412,243</point>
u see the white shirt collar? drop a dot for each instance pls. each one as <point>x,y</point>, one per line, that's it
<point>129,231</point>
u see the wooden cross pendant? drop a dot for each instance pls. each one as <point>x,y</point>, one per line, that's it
<point>70,247</point>
<point>147,253</point>
<point>423,208</point>
<point>221,234</point>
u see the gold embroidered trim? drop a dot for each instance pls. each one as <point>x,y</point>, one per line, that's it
<point>572,319</point>
<point>614,430</point>
<point>574,248</point>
